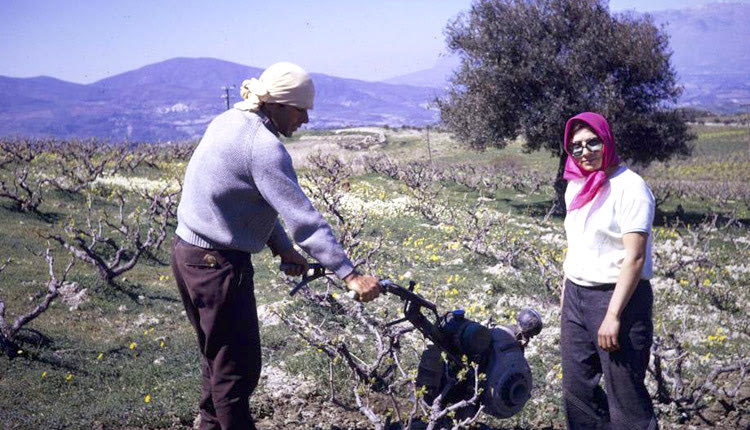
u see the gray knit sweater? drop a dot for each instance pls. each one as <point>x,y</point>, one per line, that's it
<point>239,179</point>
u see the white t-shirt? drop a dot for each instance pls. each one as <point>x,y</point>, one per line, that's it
<point>594,231</point>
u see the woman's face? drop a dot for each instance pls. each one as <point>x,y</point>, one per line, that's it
<point>591,158</point>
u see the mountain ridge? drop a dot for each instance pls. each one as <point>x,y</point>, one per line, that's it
<point>709,48</point>
<point>177,98</point>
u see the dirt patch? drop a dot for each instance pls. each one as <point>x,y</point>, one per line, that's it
<point>316,412</point>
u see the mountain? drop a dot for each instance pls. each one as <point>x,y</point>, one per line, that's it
<point>708,39</point>
<point>710,54</point>
<point>436,76</point>
<point>177,98</point>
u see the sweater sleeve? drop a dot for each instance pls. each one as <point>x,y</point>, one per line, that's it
<point>273,173</point>
<point>278,241</point>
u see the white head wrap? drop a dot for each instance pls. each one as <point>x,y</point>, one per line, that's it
<point>283,83</point>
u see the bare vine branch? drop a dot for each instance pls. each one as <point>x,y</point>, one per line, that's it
<point>9,330</point>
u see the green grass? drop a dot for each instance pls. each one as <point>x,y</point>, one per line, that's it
<point>721,141</point>
<point>92,376</point>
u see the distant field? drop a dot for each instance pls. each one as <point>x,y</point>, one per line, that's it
<point>126,357</point>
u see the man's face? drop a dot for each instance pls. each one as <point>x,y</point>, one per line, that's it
<point>286,118</point>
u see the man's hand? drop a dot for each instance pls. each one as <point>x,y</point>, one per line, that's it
<point>296,263</point>
<point>608,332</point>
<point>366,287</point>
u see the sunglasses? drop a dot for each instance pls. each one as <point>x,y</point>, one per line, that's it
<point>593,145</point>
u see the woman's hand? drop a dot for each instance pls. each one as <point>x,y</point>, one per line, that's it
<point>608,332</point>
<point>630,274</point>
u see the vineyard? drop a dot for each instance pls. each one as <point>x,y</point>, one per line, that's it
<point>93,333</point>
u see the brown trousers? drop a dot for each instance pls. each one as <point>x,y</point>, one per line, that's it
<point>216,287</point>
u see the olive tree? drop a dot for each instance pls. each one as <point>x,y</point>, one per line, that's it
<point>528,65</point>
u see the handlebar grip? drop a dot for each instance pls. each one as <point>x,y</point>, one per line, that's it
<point>287,266</point>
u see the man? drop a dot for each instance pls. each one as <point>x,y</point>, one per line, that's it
<point>237,183</point>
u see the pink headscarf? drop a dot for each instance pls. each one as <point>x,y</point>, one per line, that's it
<point>597,178</point>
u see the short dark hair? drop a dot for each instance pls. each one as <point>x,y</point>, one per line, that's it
<point>577,125</point>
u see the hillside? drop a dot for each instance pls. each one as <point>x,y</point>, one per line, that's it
<point>469,228</point>
<point>175,99</point>
<point>710,55</point>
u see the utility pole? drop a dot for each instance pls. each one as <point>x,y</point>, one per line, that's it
<point>225,96</point>
<point>429,149</point>
<point>747,121</point>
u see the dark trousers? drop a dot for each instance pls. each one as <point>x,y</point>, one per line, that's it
<point>626,403</point>
<point>216,287</point>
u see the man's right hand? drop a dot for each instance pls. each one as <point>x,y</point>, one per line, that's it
<point>295,263</point>
<point>366,287</point>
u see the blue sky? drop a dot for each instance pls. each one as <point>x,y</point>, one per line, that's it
<point>87,40</point>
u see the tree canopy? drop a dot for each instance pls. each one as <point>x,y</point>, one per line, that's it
<point>529,65</point>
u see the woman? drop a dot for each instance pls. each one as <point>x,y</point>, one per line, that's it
<point>606,323</point>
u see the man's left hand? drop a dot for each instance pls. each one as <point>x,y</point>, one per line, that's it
<point>608,332</point>
<point>365,287</point>
<point>296,264</point>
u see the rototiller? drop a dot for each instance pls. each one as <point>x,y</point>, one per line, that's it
<point>498,351</point>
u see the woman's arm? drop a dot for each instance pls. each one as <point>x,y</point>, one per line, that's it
<point>630,275</point>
